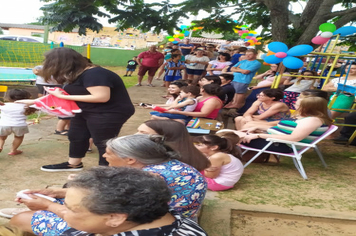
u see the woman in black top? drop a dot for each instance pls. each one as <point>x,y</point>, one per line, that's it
<point>102,97</point>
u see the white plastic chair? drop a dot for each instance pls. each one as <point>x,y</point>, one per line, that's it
<point>296,154</point>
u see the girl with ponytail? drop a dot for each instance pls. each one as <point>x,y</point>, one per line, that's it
<point>223,153</point>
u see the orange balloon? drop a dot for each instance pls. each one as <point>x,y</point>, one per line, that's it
<point>269,53</point>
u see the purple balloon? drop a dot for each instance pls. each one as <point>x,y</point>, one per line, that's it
<point>292,62</point>
<point>272,59</point>
<point>277,47</point>
<point>300,50</point>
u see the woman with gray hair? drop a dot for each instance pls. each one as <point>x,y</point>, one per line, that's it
<point>146,152</point>
<point>121,201</point>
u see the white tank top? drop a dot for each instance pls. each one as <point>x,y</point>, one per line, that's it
<point>230,173</point>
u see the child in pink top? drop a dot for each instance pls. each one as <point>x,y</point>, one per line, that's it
<point>226,169</point>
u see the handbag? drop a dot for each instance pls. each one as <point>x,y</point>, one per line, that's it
<point>204,123</point>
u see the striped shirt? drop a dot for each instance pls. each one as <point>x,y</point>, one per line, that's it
<point>174,72</point>
<point>180,227</point>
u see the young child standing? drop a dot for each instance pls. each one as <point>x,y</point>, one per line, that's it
<point>226,169</point>
<point>186,101</point>
<point>131,66</point>
<point>13,119</point>
<point>174,68</point>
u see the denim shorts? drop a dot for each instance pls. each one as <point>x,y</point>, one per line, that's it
<point>239,87</point>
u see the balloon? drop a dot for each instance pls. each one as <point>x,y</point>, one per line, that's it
<point>292,62</point>
<point>171,39</point>
<point>263,56</point>
<point>258,43</point>
<point>258,38</point>
<point>175,36</point>
<point>168,37</point>
<point>281,54</point>
<point>277,47</point>
<point>346,30</point>
<point>273,59</point>
<point>186,33</point>
<point>252,43</point>
<point>300,50</point>
<point>243,28</point>
<point>248,37</point>
<point>236,21</point>
<point>327,27</point>
<point>228,21</point>
<point>245,35</point>
<point>183,27</point>
<point>177,39</point>
<point>319,40</point>
<point>250,34</point>
<point>326,35</point>
<point>180,35</point>
<point>253,32</point>
<point>246,26</point>
<point>175,42</point>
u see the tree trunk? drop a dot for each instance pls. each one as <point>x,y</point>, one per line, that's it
<point>324,7</point>
<point>279,18</point>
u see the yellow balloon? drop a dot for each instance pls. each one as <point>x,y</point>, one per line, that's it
<point>171,39</point>
<point>252,32</point>
<point>175,36</point>
<point>258,38</point>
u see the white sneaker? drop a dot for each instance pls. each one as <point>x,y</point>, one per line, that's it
<point>10,212</point>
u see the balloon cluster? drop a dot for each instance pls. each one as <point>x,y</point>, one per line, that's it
<point>176,38</point>
<point>288,57</point>
<point>249,36</point>
<point>328,30</point>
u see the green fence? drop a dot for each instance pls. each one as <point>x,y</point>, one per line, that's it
<point>28,55</point>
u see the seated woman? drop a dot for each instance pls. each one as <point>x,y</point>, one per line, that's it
<point>208,103</point>
<point>311,122</point>
<point>267,81</point>
<point>113,201</point>
<point>186,101</point>
<point>178,138</point>
<point>299,85</point>
<point>145,152</point>
<point>268,108</point>
<point>223,153</point>
<point>173,92</point>
<point>343,101</point>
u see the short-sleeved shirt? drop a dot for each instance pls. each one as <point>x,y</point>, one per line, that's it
<point>119,101</point>
<point>186,51</point>
<point>219,65</point>
<point>188,186</point>
<point>12,114</point>
<point>174,72</point>
<point>196,66</point>
<point>150,59</point>
<point>229,91</point>
<point>252,66</point>
<point>131,64</point>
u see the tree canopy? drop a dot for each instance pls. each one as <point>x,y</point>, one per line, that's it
<point>276,17</point>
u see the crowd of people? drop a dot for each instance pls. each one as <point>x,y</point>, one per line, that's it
<point>154,182</point>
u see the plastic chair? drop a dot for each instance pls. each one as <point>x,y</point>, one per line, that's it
<point>296,154</point>
<point>3,90</point>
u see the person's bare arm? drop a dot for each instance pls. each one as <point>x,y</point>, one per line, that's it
<point>329,87</point>
<point>139,61</point>
<point>248,115</point>
<point>98,94</point>
<point>208,107</point>
<point>238,69</point>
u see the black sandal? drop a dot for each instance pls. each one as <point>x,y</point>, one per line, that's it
<point>64,132</point>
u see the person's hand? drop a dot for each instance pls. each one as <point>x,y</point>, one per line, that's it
<point>36,203</point>
<point>50,192</point>
<point>26,101</point>
<point>56,92</point>
<point>2,104</point>
<point>249,137</point>
<point>250,130</point>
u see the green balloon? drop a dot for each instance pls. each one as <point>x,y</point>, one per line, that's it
<point>327,27</point>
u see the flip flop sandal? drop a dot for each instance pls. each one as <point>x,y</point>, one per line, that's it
<point>64,132</point>
<point>18,152</point>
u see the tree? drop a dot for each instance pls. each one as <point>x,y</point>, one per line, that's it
<point>279,22</point>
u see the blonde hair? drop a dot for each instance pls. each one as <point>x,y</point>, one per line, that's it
<point>7,230</point>
<point>314,106</point>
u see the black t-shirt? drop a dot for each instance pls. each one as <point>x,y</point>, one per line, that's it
<point>131,64</point>
<point>119,101</point>
<point>229,93</point>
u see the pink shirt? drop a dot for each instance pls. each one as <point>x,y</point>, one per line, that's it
<point>150,59</point>
<point>230,173</point>
<point>214,113</point>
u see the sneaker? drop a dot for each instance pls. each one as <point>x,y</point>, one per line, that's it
<point>65,166</point>
<point>138,84</point>
<point>10,212</point>
<point>150,85</point>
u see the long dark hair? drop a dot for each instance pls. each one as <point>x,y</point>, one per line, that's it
<point>178,138</point>
<point>64,65</point>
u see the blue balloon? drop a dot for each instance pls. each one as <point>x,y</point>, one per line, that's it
<point>186,33</point>
<point>300,50</point>
<point>277,47</point>
<point>251,35</point>
<point>346,30</point>
<point>174,42</point>
<point>292,62</point>
<point>272,59</point>
<point>183,27</point>
<point>236,21</point>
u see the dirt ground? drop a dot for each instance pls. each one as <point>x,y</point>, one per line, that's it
<point>316,195</point>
